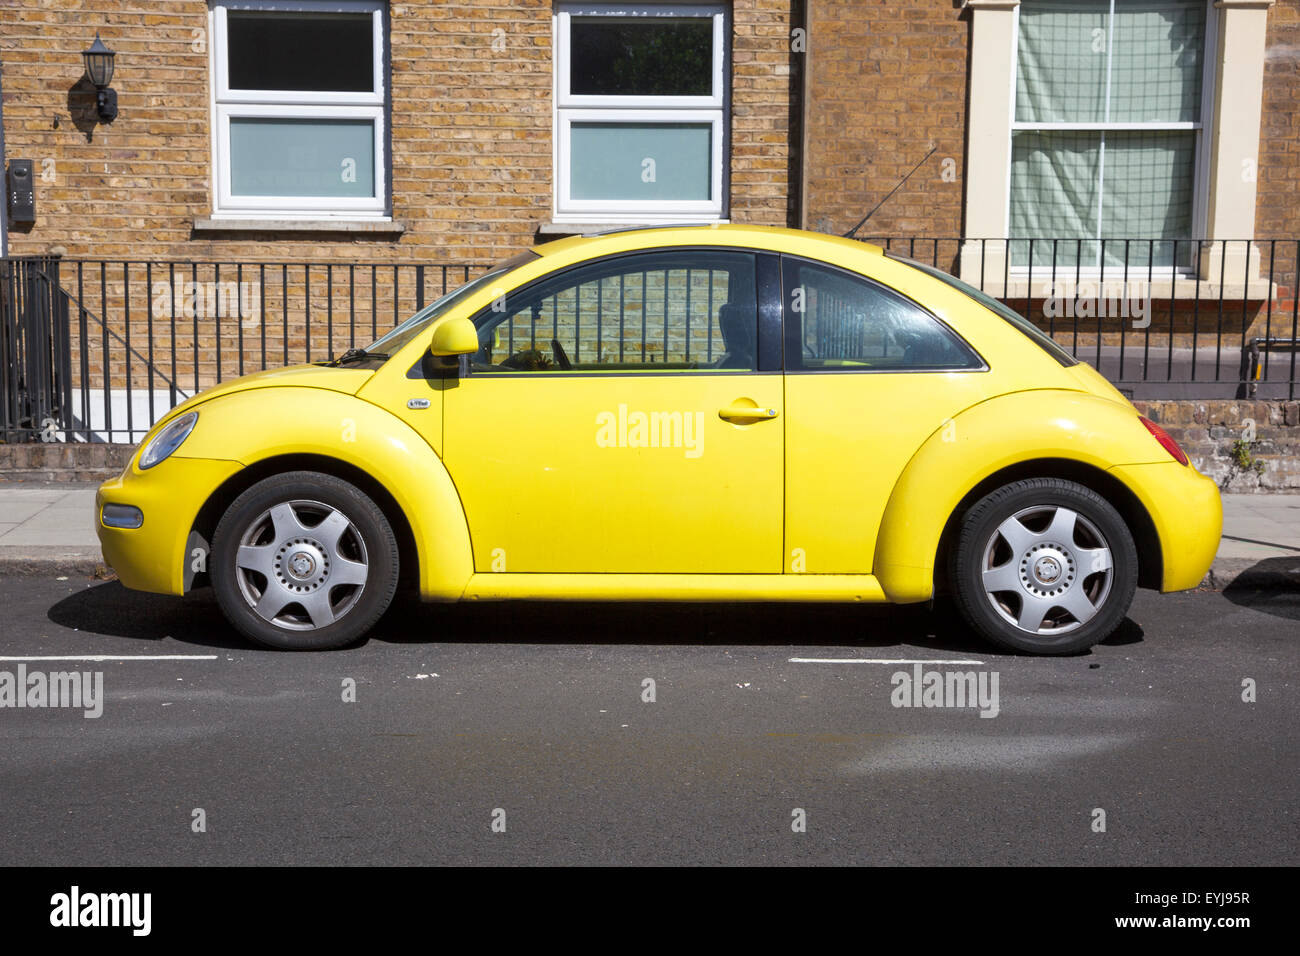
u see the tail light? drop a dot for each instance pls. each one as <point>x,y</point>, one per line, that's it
<point>1166,440</point>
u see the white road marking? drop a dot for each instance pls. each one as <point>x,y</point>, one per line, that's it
<point>119,657</point>
<point>873,660</point>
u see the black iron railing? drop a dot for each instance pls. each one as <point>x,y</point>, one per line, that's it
<point>94,350</point>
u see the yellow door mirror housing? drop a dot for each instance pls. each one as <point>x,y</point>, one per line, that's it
<point>454,337</point>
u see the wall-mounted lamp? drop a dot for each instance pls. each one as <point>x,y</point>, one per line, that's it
<point>99,68</point>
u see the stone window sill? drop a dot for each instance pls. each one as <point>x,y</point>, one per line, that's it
<point>380,227</point>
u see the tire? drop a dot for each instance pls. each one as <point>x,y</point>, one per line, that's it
<point>1044,566</point>
<point>304,561</point>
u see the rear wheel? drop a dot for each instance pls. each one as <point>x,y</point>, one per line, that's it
<point>1044,566</point>
<point>304,561</point>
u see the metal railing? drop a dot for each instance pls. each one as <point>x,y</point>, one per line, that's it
<point>97,350</point>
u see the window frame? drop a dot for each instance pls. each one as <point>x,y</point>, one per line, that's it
<point>793,326</point>
<point>226,104</point>
<point>1201,172</point>
<point>569,108</point>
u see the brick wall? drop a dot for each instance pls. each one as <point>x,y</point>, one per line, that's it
<point>887,81</point>
<point>471,130</point>
<point>1278,209</point>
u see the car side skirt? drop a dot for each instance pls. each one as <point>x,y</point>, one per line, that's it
<point>863,588</point>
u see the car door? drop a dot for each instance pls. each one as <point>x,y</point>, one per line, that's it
<point>870,375</point>
<point>615,419</point>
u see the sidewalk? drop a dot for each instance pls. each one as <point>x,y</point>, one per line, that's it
<point>48,527</point>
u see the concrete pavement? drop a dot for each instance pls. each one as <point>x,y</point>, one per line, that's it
<point>49,526</point>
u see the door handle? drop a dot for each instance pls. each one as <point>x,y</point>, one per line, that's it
<point>744,410</point>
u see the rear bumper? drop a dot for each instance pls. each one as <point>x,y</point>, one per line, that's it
<point>1187,512</point>
<point>153,556</point>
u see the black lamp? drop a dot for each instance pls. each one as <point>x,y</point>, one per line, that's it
<point>99,67</point>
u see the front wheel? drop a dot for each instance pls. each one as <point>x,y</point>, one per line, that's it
<point>304,561</point>
<point>1044,566</point>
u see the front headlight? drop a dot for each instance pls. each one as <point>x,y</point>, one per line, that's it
<point>168,440</point>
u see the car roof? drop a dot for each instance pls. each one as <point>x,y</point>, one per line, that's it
<point>773,238</point>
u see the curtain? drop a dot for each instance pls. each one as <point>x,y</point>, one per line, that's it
<point>1075,66</point>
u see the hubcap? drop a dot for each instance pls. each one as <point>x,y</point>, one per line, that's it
<point>1047,570</point>
<point>301,565</point>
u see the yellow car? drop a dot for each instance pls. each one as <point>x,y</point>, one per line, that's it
<point>718,413</point>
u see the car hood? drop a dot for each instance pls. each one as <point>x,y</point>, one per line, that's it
<point>346,380</point>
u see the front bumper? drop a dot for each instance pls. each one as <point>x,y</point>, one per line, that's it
<point>1187,512</point>
<point>153,556</point>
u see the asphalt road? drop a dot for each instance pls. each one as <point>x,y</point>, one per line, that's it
<point>537,710</point>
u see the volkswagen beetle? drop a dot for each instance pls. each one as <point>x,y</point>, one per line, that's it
<point>724,413</point>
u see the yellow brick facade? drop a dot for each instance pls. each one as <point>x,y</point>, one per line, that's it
<point>471,131</point>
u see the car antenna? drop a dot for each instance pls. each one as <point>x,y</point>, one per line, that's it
<point>853,232</point>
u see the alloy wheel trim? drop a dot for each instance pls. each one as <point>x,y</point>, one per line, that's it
<point>301,565</point>
<point>1048,570</point>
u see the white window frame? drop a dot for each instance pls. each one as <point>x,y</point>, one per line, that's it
<point>1200,174</point>
<point>571,108</point>
<point>227,104</point>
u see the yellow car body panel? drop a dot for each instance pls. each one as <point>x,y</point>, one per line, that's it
<point>153,557</point>
<point>1187,512</point>
<point>675,587</point>
<point>848,438</point>
<point>843,493</point>
<point>627,475</point>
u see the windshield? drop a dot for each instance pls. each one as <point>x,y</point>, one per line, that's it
<point>993,305</point>
<point>404,333</point>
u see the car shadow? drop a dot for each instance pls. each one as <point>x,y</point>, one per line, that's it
<point>1271,585</point>
<point>110,609</point>
<point>1128,632</point>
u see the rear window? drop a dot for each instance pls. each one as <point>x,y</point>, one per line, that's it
<point>993,305</point>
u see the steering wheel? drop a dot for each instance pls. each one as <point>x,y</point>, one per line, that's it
<point>561,357</point>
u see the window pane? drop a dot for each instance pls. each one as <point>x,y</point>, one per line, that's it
<point>1148,193</point>
<point>1054,182</point>
<point>1061,65</point>
<point>302,157</point>
<point>848,323</point>
<point>659,56</point>
<point>1157,62</point>
<point>641,161</point>
<point>323,52</point>
<point>693,310</point>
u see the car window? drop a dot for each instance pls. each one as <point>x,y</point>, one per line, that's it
<point>683,310</point>
<point>1002,310</point>
<point>839,321</point>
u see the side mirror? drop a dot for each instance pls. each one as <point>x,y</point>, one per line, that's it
<point>454,337</point>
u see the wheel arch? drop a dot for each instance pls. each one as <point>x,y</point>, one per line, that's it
<point>205,522</point>
<point>1120,496</point>
<point>1049,433</point>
